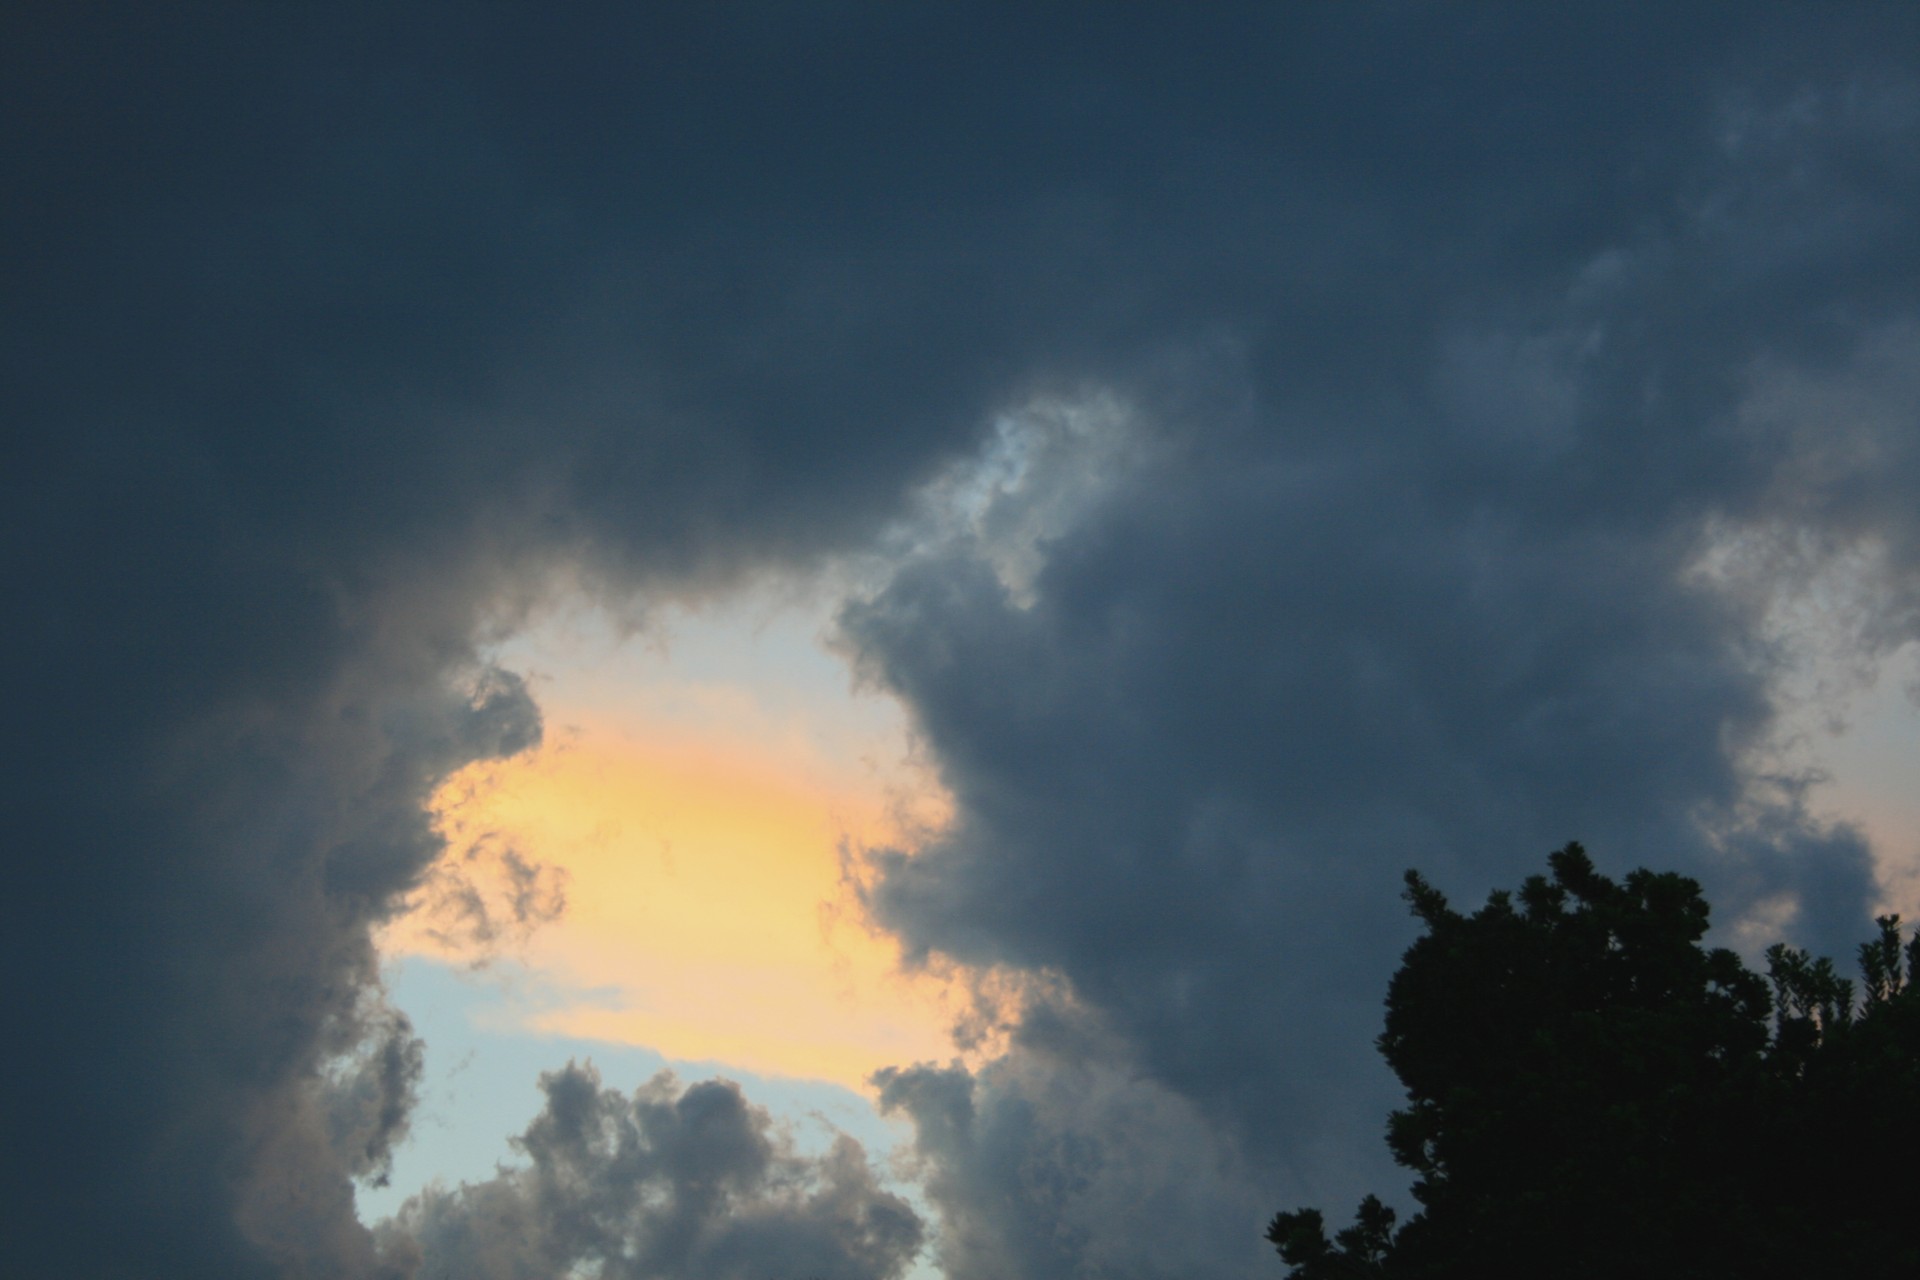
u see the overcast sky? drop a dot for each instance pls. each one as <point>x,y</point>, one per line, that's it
<point>1127,481</point>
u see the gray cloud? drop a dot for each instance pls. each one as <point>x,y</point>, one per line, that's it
<point>1451,346</point>
<point>486,895</point>
<point>1060,1158</point>
<point>317,369</point>
<point>671,1182</point>
<point>372,1091</point>
<point>1446,618</point>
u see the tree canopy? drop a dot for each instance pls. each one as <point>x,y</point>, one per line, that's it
<point>1592,1092</point>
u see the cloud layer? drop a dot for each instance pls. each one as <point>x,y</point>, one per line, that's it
<point>1492,384</point>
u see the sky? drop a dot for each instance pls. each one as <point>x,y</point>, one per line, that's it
<point>809,640</point>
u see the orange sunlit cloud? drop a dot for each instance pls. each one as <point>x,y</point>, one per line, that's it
<point>705,913</point>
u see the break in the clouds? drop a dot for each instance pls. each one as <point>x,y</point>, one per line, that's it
<point>1452,411</point>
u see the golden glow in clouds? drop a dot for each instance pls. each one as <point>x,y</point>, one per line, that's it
<point>696,798</point>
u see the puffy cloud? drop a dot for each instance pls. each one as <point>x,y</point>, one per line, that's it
<point>1448,618</point>
<point>670,1182</point>
<point>1043,1162</point>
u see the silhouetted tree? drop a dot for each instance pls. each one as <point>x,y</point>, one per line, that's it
<point>1590,1093</point>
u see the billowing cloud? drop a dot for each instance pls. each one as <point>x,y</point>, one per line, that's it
<point>1446,616</point>
<point>1059,1157</point>
<point>671,1182</point>
<point>1489,382</point>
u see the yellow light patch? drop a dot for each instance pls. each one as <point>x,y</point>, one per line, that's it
<point>703,873</point>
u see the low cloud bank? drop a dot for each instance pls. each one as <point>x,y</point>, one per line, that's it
<point>689,1183</point>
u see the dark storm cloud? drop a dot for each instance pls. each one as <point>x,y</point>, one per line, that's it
<point>1246,697</point>
<point>328,333</point>
<point>1513,585</point>
<point>690,1184</point>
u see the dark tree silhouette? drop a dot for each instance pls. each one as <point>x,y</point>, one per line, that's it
<point>1590,1093</point>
